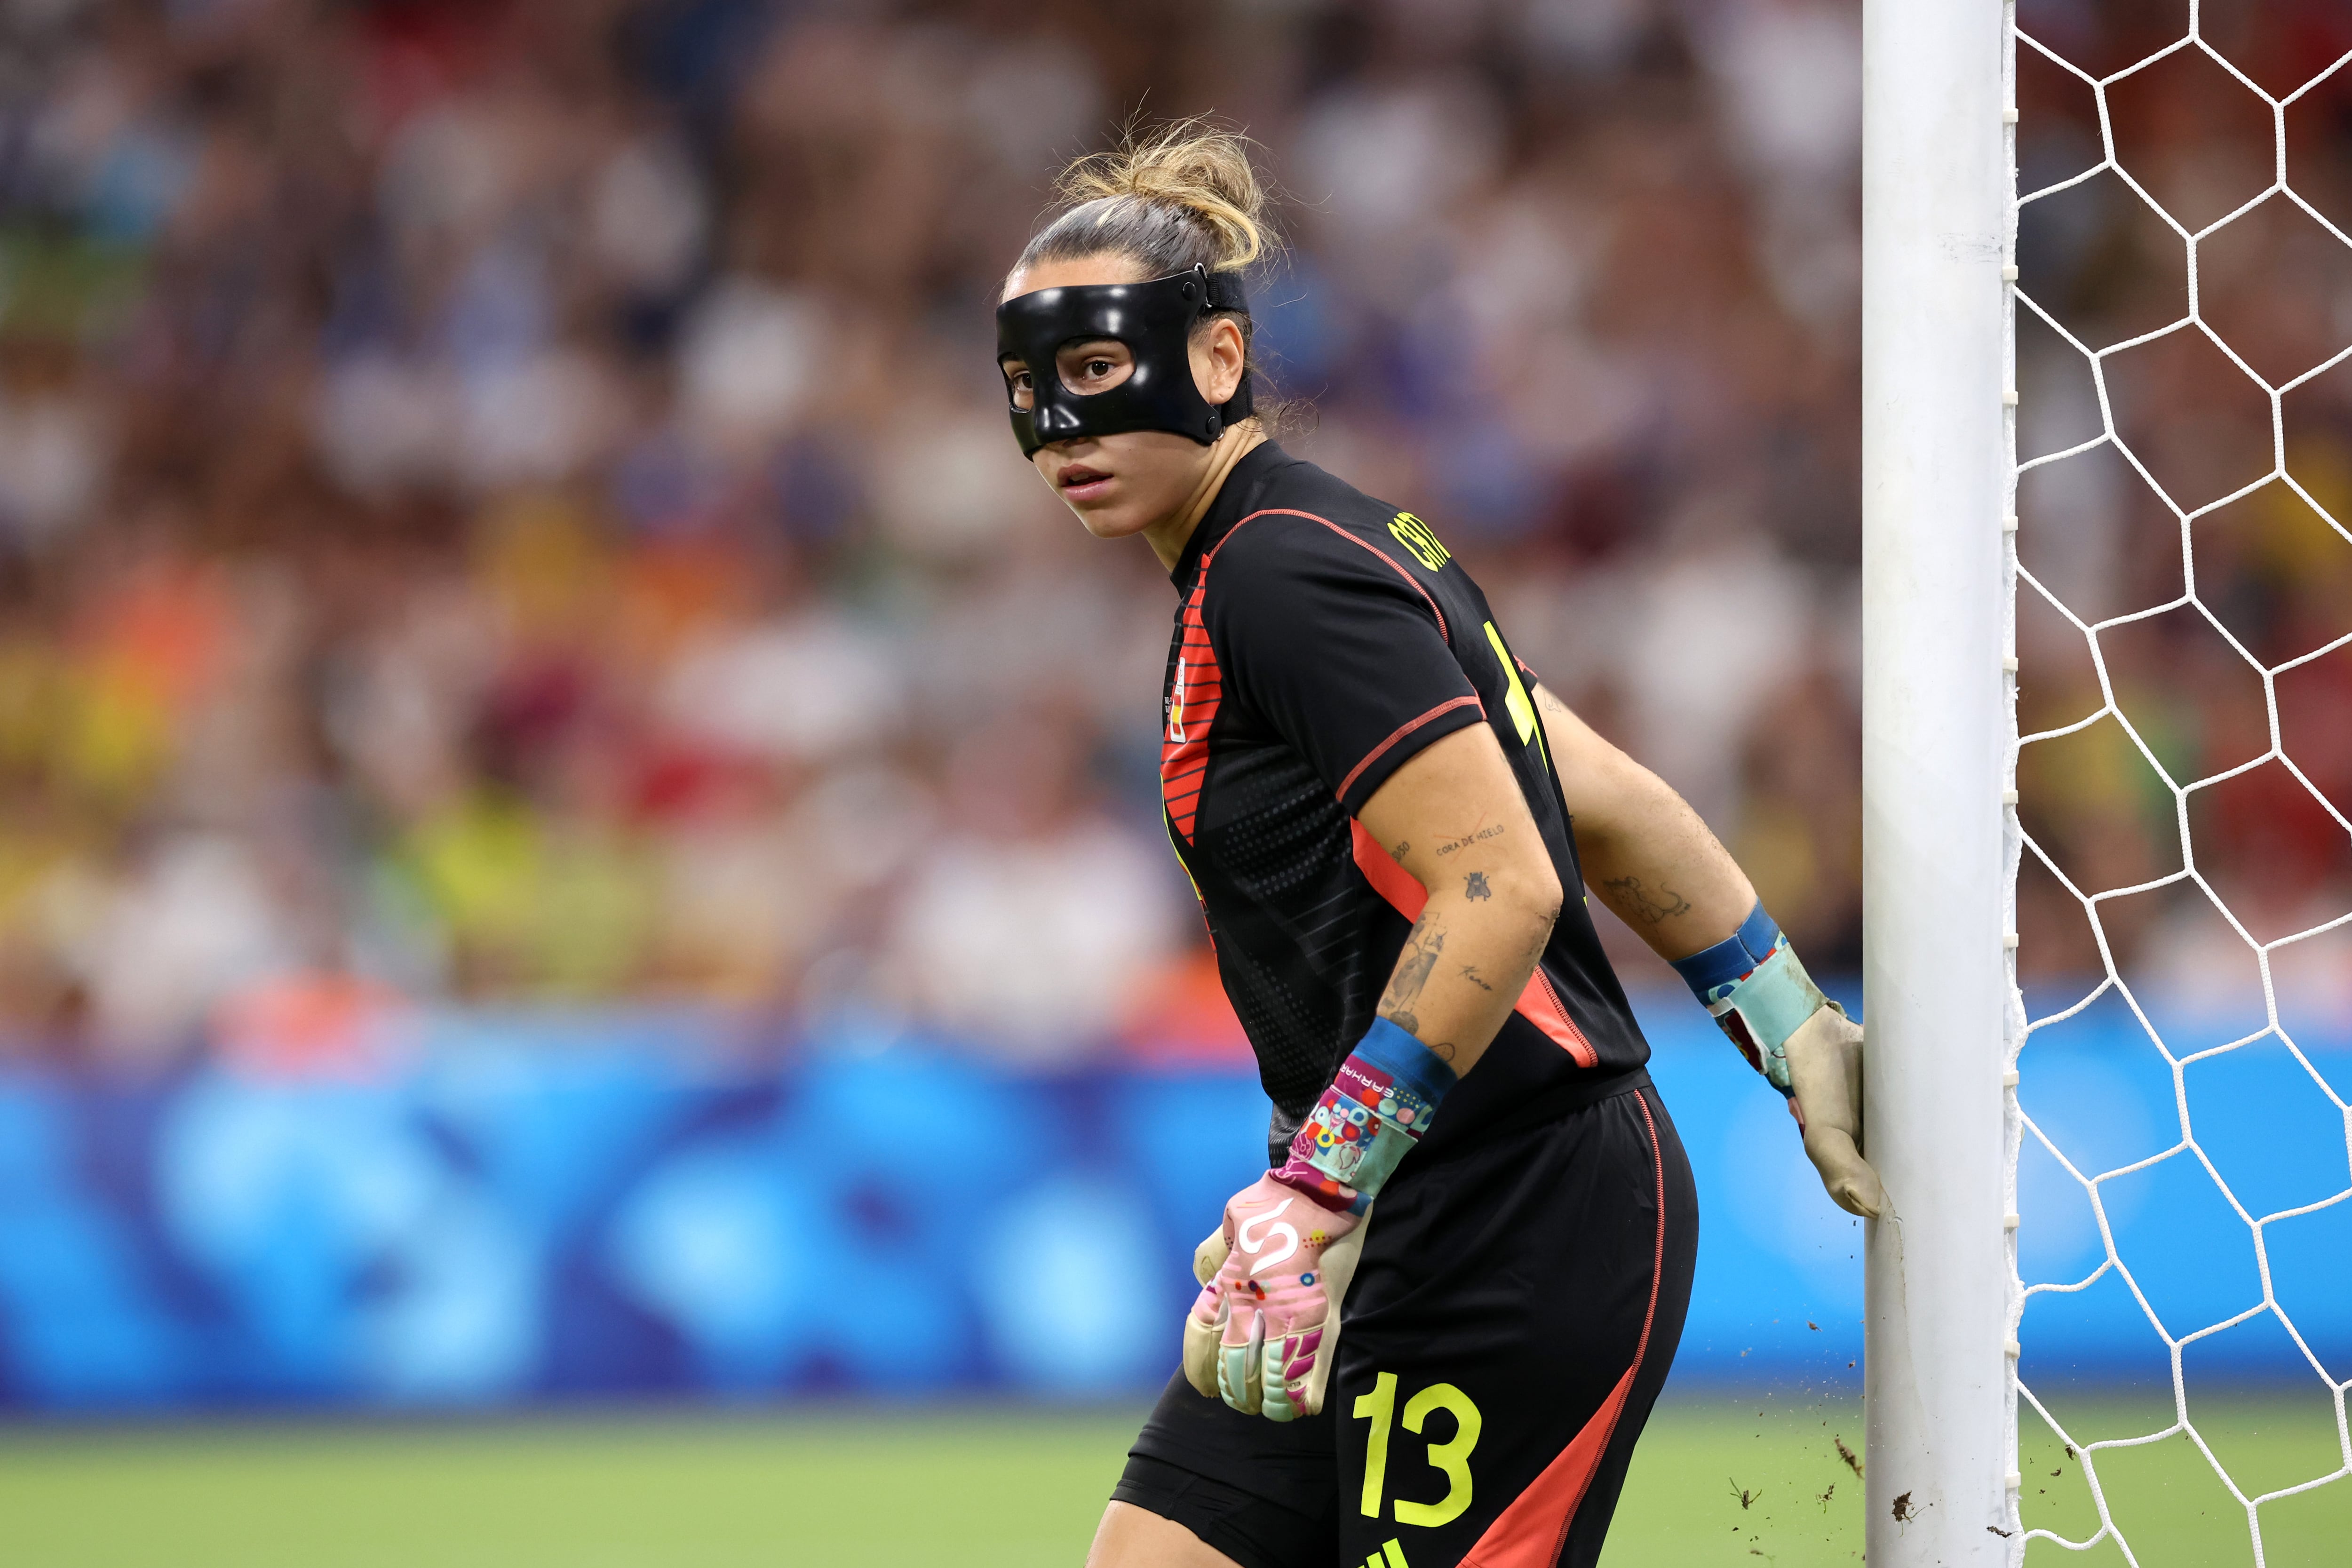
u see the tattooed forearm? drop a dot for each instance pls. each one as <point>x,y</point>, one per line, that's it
<point>1461,964</point>
<point>1421,947</point>
<point>1632,898</point>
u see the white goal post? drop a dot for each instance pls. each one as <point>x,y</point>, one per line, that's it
<point>1943,842</point>
<point>1937,706</point>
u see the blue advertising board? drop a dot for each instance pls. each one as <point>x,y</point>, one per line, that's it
<point>528,1209</point>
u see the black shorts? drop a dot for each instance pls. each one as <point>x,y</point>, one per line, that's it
<point>1508,1327</point>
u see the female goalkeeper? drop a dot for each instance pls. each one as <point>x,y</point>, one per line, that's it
<point>1431,1333</point>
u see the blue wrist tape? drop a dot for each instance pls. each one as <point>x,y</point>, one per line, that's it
<point>1732,960</point>
<point>1394,1051</point>
<point>1758,991</point>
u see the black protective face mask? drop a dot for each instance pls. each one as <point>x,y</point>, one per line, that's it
<point>1155,320</point>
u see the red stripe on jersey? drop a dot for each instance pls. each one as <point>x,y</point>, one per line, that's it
<point>1194,695</point>
<point>1539,1004</point>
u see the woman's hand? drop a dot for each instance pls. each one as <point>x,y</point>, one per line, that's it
<point>1265,1333</point>
<point>1825,1097</point>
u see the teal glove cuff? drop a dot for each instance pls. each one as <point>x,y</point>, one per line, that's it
<point>1758,992</point>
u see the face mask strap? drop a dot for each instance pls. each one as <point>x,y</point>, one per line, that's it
<point>1227,296</point>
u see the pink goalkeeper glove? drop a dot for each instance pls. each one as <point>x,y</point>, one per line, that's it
<point>1265,1333</point>
<point>1268,1314</point>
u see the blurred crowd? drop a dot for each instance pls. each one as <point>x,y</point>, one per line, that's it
<point>509,502</point>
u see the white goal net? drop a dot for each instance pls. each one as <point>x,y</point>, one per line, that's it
<point>2180,1191</point>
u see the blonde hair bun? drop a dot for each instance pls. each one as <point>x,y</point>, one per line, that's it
<point>1195,166</point>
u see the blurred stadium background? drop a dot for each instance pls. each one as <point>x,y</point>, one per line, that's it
<point>544,730</point>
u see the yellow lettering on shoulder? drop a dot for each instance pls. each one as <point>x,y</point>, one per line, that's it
<point>1521,706</point>
<point>1419,538</point>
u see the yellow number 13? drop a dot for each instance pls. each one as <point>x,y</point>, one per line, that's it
<point>1452,1457</point>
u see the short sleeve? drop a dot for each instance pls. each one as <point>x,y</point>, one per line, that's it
<point>1336,646</point>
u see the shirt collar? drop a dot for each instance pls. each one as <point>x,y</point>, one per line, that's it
<point>1235,500</point>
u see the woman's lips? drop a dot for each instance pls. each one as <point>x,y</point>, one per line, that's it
<point>1082,483</point>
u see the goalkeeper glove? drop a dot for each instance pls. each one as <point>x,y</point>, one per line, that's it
<point>1801,1042</point>
<point>1263,1334</point>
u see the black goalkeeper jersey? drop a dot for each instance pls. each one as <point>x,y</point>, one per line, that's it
<point>1323,637</point>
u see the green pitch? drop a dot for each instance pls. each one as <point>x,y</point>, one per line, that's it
<point>979,1488</point>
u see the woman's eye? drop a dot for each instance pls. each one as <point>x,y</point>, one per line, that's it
<point>1020,381</point>
<point>1098,368</point>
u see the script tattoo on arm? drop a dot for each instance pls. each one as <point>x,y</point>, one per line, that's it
<point>1470,972</point>
<point>1663,905</point>
<point>1478,835</point>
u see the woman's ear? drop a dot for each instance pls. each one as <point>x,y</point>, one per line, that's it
<point>1220,360</point>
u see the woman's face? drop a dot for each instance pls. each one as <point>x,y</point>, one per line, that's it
<point>1122,484</point>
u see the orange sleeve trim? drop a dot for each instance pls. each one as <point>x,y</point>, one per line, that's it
<point>1392,881</point>
<point>1403,729</point>
<point>1540,1004</point>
